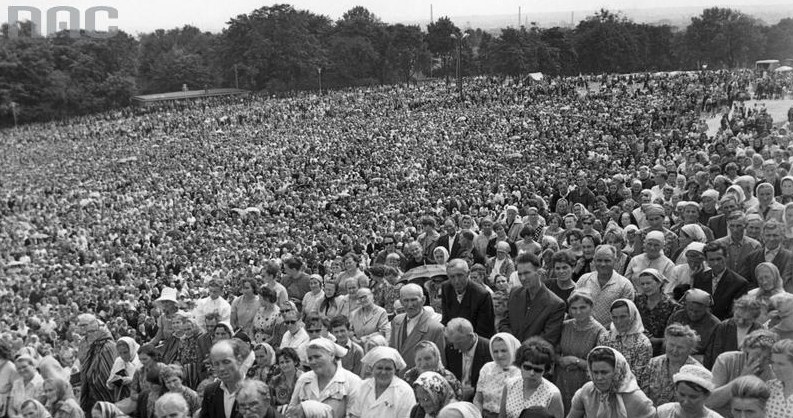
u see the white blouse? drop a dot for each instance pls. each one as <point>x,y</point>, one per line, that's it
<point>395,402</point>
<point>339,392</point>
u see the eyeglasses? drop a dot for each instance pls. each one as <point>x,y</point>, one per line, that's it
<point>289,322</point>
<point>535,369</point>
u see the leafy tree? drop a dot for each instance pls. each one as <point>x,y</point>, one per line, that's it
<point>404,49</point>
<point>440,41</point>
<point>725,38</point>
<point>605,42</point>
<point>780,40</point>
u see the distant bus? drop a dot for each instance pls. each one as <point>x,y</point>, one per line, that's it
<point>766,65</point>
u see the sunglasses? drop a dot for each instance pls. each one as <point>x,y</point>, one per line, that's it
<point>290,322</point>
<point>313,331</point>
<point>535,369</point>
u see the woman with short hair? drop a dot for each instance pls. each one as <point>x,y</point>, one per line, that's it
<point>658,376</point>
<point>267,317</point>
<point>748,397</point>
<point>27,386</point>
<point>729,334</point>
<point>535,358</point>
<point>779,404</point>
<point>427,358</point>
<point>60,400</point>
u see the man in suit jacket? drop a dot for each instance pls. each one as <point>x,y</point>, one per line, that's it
<point>227,358</point>
<point>466,353</point>
<point>771,250</point>
<point>453,242</point>
<point>533,309</point>
<point>723,284</point>
<point>462,298</point>
<point>718,223</point>
<point>415,325</point>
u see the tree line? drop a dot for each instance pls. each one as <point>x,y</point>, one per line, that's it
<point>280,48</point>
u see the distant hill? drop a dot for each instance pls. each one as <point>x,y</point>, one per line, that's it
<point>678,17</point>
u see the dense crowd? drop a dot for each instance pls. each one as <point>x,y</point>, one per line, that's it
<point>571,247</point>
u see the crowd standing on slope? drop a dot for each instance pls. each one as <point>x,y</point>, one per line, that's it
<point>574,247</point>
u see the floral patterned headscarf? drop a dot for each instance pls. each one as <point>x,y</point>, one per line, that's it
<point>611,404</point>
<point>438,389</point>
<point>637,326</point>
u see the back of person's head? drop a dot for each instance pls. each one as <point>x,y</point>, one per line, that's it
<point>170,403</point>
<point>750,387</point>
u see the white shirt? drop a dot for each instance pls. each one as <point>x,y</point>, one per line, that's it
<point>207,305</point>
<point>395,402</point>
<point>228,399</point>
<point>340,392</point>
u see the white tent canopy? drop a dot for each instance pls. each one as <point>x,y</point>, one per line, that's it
<point>783,69</point>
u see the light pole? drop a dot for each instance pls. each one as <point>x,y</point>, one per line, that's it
<point>459,40</point>
<point>319,77</point>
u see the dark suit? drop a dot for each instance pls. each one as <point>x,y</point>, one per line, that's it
<point>718,224</point>
<point>212,405</point>
<point>541,316</point>
<point>476,307</point>
<point>454,361</point>
<point>783,261</point>
<point>724,338</point>
<point>426,328</point>
<point>731,287</point>
<point>458,250</point>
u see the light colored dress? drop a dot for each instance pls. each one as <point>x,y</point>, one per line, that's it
<point>491,384</point>
<point>516,403</point>
<point>777,406</point>
<point>576,342</point>
<point>395,402</point>
<point>245,312</point>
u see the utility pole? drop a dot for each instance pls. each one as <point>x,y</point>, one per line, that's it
<point>236,77</point>
<point>319,76</point>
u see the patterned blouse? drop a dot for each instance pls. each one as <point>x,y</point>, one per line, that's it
<point>655,319</point>
<point>281,389</point>
<point>264,324</point>
<point>778,406</point>
<point>656,381</point>
<point>635,347</point>
<point>491,384</point>
<point>516,403</point>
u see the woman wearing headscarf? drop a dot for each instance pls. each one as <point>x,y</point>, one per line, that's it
<point>106,410</point>
<point>493,374</point>
<point>626,335</point>
<point>384,394</point>
<point>580,335</point>
<point>688,234</point>
<point>769,283</point>
<point>60,399</point>
<point>432,393</point>
<point>428,359</point>
<point>32,408</point>
<point>123,369</point>
<point>338,385</point>
<point>460,410</point>
<point>613,391</point>
<point>654,306</point>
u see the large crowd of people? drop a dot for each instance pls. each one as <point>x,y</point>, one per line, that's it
<point>573,247</point>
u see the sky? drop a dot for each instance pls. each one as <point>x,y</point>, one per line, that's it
<point>137,16</point>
